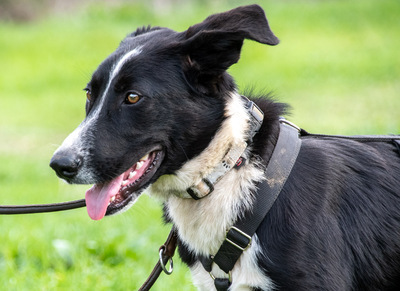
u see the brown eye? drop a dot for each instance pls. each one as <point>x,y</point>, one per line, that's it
<point>132,98</point>
<point>88,95</point>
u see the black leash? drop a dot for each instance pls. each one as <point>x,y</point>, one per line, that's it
<point>166,251</point>
<point>41,208</point>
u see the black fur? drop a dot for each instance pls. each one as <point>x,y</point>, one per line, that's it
<point>174,72</point>
<point>162,98</point>
<point>335,225</point>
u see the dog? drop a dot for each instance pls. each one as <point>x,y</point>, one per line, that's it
<point>162,113</point>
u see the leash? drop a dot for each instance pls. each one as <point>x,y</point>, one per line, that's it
<point>41,208</point>
<point>166,252</point>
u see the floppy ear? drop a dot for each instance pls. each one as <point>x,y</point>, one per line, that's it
<point>249,20</point>
<point>213,45</point>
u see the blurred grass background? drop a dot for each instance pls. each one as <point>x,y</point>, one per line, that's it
<point>338,65</point>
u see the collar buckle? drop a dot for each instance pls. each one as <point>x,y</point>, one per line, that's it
<point>206,185</point>
<point>201,190</point>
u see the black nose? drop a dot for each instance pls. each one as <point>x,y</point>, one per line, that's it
<point>66,165</point>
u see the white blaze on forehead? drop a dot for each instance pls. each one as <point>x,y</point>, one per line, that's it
<point>80,139</point>
<point>114,72</point>
<point>116,68</point>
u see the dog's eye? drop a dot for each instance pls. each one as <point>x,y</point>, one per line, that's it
<point>88,94</point>
<point>132,98</point>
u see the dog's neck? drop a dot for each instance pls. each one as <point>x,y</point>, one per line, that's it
<point>231,136</point>
<point>232,194</point>
<point>233,158</point>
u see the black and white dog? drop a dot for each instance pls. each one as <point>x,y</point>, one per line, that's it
<point>162,113</point>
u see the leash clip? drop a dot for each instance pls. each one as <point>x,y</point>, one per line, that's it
<point>171,262</point>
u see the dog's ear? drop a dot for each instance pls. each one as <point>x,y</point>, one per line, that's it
<point>213,45</point>
<point>249,21</point>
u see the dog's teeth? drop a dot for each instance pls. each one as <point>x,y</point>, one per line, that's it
<point>144,158</point>
<point>139,165</point>
<point>112,199</point>
<point>131,175</point>
<point>125,182</point>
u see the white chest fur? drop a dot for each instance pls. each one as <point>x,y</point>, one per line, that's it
<point>202,224</point>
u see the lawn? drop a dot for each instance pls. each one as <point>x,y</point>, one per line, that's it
<point>338,65</point>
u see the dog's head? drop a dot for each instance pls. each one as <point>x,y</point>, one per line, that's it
<point>153,104</point>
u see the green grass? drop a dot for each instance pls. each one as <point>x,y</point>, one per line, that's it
<point>337,65</point>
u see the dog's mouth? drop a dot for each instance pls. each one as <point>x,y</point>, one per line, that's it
<point>119,193</point>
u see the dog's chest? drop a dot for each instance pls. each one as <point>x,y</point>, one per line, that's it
<point>202,227</point>
<point>202,224</point>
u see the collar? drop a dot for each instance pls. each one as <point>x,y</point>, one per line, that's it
<point>232,158</point>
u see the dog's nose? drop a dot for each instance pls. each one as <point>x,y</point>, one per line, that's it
<point>66,165</point>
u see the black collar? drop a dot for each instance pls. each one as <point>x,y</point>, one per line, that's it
<point>238,237</point>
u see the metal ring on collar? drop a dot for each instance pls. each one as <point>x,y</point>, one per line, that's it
<point>229,276</point>
<point>171,263</point>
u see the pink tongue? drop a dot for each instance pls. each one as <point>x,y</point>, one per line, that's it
<point>98,197</point>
